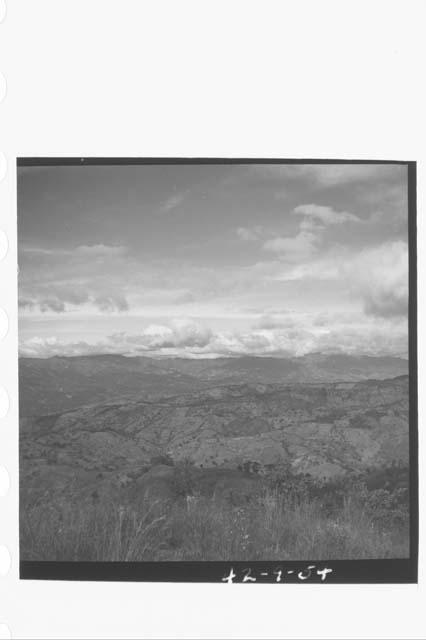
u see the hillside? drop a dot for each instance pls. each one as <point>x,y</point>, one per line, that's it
<point>61,383</point>
<point>325,430</point>
<point>133,458</point>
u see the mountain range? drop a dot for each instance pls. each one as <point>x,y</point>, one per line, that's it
<point>110,423</point>
<point>60,383</point>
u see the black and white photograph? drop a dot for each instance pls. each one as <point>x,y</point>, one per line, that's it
<point>212,314</point>
<point>214,361</point>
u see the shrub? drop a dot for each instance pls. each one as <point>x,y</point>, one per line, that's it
<point>185,477</point>
<point>162,459</point>
<point>289,517</point>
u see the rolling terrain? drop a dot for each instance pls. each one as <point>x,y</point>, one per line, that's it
<point>162,430</point>
<point>56,384</point>
<point>324,429</point>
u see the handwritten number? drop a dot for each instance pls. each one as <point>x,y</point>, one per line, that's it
<point>247,574</point>
<point>305,574</point>
<point>302,574</point>
<point>230,579</point>
<point>278,572</point>
<point>323,573</point>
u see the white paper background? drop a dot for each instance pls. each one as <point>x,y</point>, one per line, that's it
<point>315,79</point>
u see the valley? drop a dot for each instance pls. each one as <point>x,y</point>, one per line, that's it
<point>148,431</point>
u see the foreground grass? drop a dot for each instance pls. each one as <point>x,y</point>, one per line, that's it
<point>270,527</point>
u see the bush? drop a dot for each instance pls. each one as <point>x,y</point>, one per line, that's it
<point>185,478</point>
<point>284,523</point>
<point>388,509</point>
<point>162,459</point>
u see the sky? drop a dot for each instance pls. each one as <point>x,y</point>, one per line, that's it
<point>213,260</point>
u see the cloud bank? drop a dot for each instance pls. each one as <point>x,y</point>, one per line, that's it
<point>302,246</point>
<point>263,260</point>
<point>268,337</point>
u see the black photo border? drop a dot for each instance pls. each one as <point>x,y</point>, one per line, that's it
<point>404,570</point>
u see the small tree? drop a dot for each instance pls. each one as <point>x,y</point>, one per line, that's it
<point>185,478</point>
<point>162,458</point>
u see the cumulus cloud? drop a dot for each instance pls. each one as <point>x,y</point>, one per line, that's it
<point>59,279</point>
<point>38,347</point>
<point>52,298</point>
<point>249,234</point>
<point>380,276</point>
<point>326,215</point>
<point>295,248</point>
<point>60,298</point>
<point>281,337</point>
<point>306,242</point>
<point>25,303</point>
<point>52,304</point>
<point>385,303</point>
<point>114,302</point>
<point>99,250</point>
<point>178,334</point>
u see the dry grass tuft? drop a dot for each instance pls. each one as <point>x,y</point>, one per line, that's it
<point>271,527</point>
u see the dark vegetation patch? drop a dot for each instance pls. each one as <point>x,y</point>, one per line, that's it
<point>219,514</point>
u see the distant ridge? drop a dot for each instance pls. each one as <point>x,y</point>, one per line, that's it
<point>325,429</point>
<point>65,382</point>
